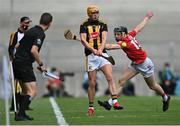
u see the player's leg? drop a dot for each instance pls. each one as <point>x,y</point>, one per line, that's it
<point>153,85</point>
<point>19,89</point>
<point>147,70</point>
<point>91,91</point>
<point>107,70</point>
<point>25,75</point>
<point>29,90</point>
<point>92,64</point>
<point>157,88</point>
<point>18,93</point>
<point>27,80</point>
<point>127,74</point>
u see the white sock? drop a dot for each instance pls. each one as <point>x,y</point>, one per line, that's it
<point>165,97</point>
<point>91,108</point>
<point>114,101</point>
<point>110,101</point>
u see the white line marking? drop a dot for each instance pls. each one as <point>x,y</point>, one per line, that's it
<point>57,111</point>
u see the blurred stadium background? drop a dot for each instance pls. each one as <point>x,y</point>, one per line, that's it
<point>160,38</point>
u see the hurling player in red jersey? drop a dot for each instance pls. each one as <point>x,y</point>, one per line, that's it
<point>140,62</point>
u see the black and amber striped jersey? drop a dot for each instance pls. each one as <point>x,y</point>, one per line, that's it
<point>94,30</point>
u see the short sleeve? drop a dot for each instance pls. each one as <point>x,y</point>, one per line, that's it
<point>38,40</point>
<point>82,29</point>
<point>104,27</point>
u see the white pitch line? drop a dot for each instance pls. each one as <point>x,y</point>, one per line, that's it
<point>57,111</point>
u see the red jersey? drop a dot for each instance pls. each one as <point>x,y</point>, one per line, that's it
<point>130,45</point>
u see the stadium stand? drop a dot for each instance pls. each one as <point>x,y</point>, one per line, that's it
<point>160,39</point>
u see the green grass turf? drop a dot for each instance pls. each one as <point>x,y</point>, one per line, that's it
<point>138,110</point>
<point>42,114</point>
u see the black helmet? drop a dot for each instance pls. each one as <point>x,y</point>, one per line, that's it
<point>120,29</point>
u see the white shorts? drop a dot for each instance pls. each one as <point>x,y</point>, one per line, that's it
<point>94,62</point>
<point>146,68</point>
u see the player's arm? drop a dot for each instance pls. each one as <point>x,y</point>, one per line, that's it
<point>143,23</point>
<point>83,36</point>
<point>86,44</point>
<point>35,53</point>
<point>104,37</point>
<point>114,46</point>
<point>12,44</point>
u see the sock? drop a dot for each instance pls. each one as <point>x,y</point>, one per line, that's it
<point>114,99</point>
<point>21,106</point>
<point>165,97</point>
<point>91,104</point>
<point>27,100</point>
<point>18,96</point>
<point>12,103</point>
<point>110,101</point>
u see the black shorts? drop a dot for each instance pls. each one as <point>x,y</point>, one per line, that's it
<point>23,72</point>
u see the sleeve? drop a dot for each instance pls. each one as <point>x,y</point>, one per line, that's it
<point>12,44</point>
<point>132,33</point>
<point>122,44</point>
<point>38,40</point>
<point>104,27</point>
<point>82,29</point>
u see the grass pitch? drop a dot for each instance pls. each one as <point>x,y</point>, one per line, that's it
<point>138,111</point>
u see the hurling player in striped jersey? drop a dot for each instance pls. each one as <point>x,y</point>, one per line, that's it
<point>93,33</point>
<point>140,62</point>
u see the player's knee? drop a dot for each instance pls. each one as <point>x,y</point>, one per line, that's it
<point>92,83</point>
<point>34,93</point>
<point>109,78</point>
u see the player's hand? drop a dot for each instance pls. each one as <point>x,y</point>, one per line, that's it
<point>149,14</point>
<point>41,68</point>
<point>99,52</point>
<point>95,52</point>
